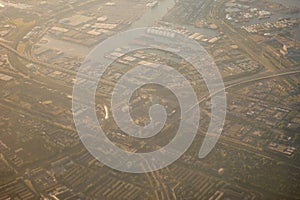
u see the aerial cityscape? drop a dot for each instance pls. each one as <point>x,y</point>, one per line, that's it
<point>51,51</point>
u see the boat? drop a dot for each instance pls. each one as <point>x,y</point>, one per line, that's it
<point>152,4</point>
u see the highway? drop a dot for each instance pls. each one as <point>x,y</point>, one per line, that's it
<point>253,50</point>
<point>252,81</point>
<point>239,37</point>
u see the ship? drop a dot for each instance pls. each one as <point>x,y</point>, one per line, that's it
<point>152,4</point>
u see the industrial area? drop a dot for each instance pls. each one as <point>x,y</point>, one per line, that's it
<point>256,46</point>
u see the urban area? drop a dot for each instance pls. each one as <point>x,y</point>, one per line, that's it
<point>254,43</point>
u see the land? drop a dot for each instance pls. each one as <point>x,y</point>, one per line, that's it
<point>255,47</point>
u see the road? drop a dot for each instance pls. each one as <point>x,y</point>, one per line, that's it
<point>251,81</point>
<point>254,50</point>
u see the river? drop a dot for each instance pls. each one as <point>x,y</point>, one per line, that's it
<point>154,15</point>
<point>288,3</point>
